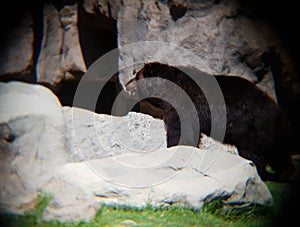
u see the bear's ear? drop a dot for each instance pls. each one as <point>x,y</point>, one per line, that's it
<point>139,74</point>
<point>131,87</point>
<point>152,64</point>
<point>148,65</point>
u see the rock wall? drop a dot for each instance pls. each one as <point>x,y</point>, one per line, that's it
<point>45,48</point>
<point>54,42</point>
<point>32,142</point>
<point>16,55</point>
<point>219,33</point>
<point>60,57</point>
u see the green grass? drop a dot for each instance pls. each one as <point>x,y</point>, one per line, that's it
<point>215,213</point>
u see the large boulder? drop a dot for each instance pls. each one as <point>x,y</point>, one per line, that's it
<point>91,135</point>
<point>38,136</point>
<point>32,142</point>
<point>183,176</point>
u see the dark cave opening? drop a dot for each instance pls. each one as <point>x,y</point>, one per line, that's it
<point>97,36</point>
<point>105,99</point>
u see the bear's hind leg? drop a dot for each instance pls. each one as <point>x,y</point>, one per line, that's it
<point>260,164</point>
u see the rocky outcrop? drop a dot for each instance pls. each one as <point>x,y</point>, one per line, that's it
<point>49,68</point>
<point>16,55</point>
<point>32,142</point>
<point>182,176</point>
<point>222,38</point>
<point>85,159</point>
<point>58,53</point>
<point>74,65</point>
<point>92,136</point>
<point>60,56</point>
<point>105,7</point>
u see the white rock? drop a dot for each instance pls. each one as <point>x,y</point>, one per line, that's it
<point>208,143</point>
<point>20,99</point>
<point>32,142</point>
<point>179,175</point>
<point>92,135</point>
<point>70,201</point>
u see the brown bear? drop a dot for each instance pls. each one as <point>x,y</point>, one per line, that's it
<point>255,124</point>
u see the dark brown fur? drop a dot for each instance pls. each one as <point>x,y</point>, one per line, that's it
<point>255,124</point>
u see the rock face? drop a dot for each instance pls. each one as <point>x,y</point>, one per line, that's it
<point>32,142</point>
<point>92,136</point>
<point>57,49</point>
<point>104,7</point>
<point>123,160</point>
<point>218,33</point>
<point>16,55</point>
<point>182,176</point>
<point>49,69</point>
<point>73,63</point>
<point>223,35</point>
<point>60,56</point>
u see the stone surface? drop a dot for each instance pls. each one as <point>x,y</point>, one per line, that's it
<point>70,201</point>
<point>49,68</point>
<point>73,62</point>
<point>222,38</point>
<point>91,135</point>
<point>16,55</point>
<point>32,142</point>
<point>105,7</point>
<point>60,56</point>
<point>175,176</point>
<point>207,143</point>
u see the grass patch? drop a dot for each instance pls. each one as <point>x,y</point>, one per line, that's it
<point>32,217</point>
<point>215,213</point>
<point>40,204</point>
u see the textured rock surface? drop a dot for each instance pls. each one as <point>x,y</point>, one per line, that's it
<point>36,139</point>
<point>60,57</point>
<point>175,176</point>
<point>104,7</point>
<point>91,135</point>
<point>49,68</point>
<point>73,62</point>
<point>207,143</point>
<point>224,39</point>
<point>16,57</point>
<point>223,34</point>
<point>70,201</point>
<point>32,142</point>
